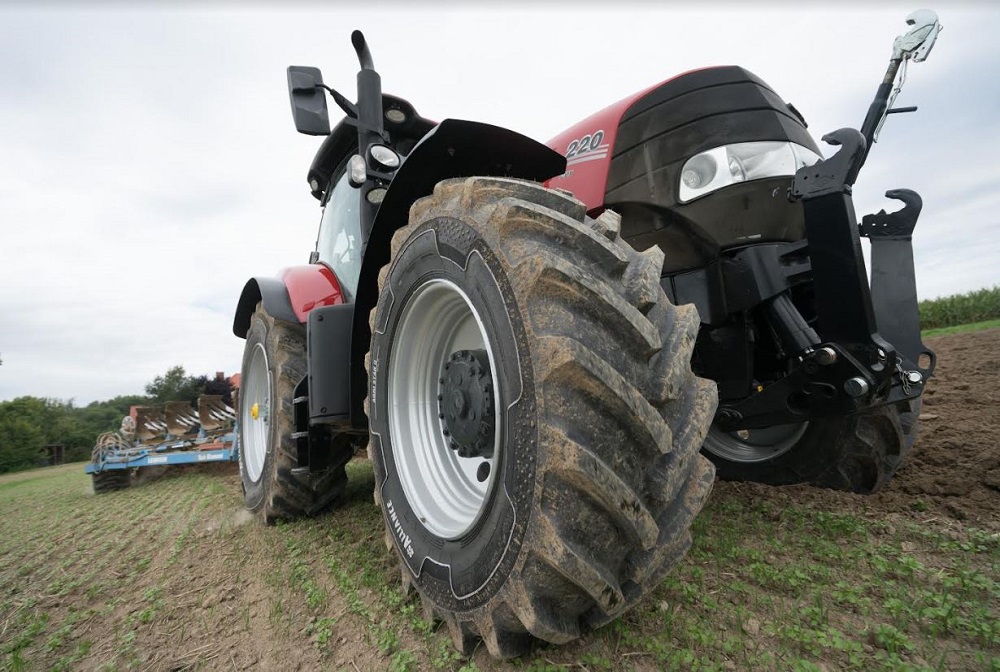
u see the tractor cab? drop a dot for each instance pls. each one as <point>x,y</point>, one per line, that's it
<point>338,173</point>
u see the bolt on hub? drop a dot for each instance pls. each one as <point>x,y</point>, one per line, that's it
<point>466,404</point>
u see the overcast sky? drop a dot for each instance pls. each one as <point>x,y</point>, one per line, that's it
<point>149,165</point>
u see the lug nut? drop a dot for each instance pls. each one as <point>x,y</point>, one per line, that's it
<point>856,387</point>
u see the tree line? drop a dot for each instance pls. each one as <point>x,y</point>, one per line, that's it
<point>28,424</point>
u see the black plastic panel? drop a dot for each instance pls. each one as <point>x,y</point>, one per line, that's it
<point>681,118</point>
<point>272,293</point>
<point>691,114</point>
<point>328,342</point>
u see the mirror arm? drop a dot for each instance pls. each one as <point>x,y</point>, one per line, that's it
<point>349,108</point>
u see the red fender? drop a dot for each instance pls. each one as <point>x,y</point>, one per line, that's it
<point>310,287</point>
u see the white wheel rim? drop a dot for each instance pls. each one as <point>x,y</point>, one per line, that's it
<point>255,411</point>
<point>441,487</point>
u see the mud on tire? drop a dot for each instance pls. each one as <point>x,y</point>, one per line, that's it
<point>595,475</point>
<point>273,364</point>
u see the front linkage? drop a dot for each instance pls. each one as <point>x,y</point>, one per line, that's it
<point>870,353</point>
<point>867,352</point>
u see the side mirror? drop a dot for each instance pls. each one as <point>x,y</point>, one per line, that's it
<point>308,98</point>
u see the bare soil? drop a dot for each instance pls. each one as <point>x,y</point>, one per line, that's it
<point>175,575</point>
<point>954,469</point>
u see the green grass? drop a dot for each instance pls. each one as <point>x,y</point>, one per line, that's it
<point>961,328</point>
<point>982,305</point>
<point>165,576</point>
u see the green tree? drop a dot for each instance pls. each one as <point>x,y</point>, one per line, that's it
<point>176,385</point>
<point>21,443</point>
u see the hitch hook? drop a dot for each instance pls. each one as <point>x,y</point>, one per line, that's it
<point>894,225</point>
<point>836,174</point>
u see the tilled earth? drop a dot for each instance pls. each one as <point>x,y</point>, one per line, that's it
<point>174,575</point>
<point>954,469</point>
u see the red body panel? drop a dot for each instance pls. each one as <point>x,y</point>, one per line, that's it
<point>587,168</point>
<point>310,287</point>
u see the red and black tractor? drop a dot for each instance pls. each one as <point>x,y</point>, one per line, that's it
<point>549,351</point>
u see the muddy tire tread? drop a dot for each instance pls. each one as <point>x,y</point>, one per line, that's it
<point>289,495</point>
<point>627,352</point>
<point>876,445</point>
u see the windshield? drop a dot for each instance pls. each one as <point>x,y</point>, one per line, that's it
<point>339,241</point>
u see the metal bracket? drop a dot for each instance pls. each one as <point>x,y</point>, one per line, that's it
<point>893,282</point>
<point>836,174</point>
<point>897,225</point>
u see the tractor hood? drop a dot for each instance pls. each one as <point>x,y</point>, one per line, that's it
<point>630,155</point>
<point>633,150</point>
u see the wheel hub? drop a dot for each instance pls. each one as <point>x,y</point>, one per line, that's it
<point>466,403</point>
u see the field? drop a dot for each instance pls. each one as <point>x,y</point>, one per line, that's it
<point>173,575</point>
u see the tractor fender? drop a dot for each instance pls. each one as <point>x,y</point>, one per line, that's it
<point>290,297</point>
<point>453,148</point>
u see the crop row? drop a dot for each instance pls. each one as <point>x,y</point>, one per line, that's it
<point>978,306</point>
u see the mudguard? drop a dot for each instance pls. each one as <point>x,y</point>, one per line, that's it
<point>453,148</point>
<point>290,297</point>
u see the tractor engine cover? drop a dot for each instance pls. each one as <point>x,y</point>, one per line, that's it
<point>628,157</point>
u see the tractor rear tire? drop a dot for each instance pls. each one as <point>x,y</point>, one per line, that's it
<point>858,453</point>
<point>110,480</point>
<point>273,364</point>
<point>574,488</point>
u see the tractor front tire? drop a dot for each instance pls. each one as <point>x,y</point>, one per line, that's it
<point>535,424</point>
<point>273,364</point>
<point>857,453</point>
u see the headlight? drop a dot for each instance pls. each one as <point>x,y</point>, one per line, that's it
<point>742,162</point>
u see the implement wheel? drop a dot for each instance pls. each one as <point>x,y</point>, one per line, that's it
<point>273,364</point>
<point>110,480</point>
<point>535,424</point>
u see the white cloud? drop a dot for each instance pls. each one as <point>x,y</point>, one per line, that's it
<point>150,166</point>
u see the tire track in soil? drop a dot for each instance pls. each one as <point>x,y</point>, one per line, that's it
<point>219,574</point>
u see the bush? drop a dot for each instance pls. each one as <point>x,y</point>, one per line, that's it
<point>978,306</point>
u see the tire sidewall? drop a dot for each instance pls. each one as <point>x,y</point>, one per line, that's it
<point>465,572</point>
<point>255,493</point>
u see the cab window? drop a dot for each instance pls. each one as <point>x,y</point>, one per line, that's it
<point>339,242</point>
